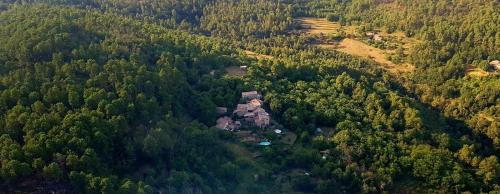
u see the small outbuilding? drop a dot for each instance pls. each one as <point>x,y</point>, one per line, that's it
<point>226,123</point>
<point>255,103</point>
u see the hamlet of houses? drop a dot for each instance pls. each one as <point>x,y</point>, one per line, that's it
<point>250,113</point>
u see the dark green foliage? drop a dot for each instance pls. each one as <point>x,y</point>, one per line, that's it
<point>246,18</point>
<point>96,96</point>
<point>88,104</point>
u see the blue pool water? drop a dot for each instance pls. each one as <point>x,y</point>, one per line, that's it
<point>265,143</point>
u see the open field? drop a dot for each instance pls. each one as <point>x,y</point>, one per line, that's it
<point>318,26</point>
<point>358,48</point>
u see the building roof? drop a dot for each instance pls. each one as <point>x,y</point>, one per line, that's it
<point>260,111</point>
<point>255,102</point>
<point>223,122</point>
<point>250,95</point>
<point>252,108</point>
<point>262,120</point>
<point>241,106</point>
<point>249,114</point>
<point>327,151</point>
<point>241,109</point>
<point>221,110</point>
<point>495,62</point>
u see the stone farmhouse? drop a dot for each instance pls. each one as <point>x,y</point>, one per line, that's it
<point>249,113</point>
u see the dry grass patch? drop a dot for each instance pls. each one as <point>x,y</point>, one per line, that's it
<point>257,55</point>
<point>477,72</point>
<point>358,48</point>
<point>317,25</point>
<point>320,26</point>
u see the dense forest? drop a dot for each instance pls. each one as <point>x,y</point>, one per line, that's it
<point>119,96</point>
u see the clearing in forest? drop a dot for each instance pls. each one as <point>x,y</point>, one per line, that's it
<point>353,46</point>
<point>358,48</point>
<point>318,26</point>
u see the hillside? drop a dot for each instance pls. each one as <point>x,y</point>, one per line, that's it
<point>106,106</point>
<point>361,96</point>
